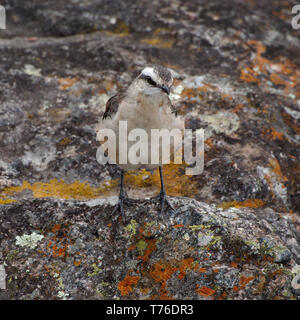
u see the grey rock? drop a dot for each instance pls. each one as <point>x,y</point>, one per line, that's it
<point>188,260</point>
<point>236,69</point>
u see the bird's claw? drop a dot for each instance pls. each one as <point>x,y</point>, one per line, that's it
<point>164,201</point>
<point>123,199</point>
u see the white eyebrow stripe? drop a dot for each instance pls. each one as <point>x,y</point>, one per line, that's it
<point>148,71</point>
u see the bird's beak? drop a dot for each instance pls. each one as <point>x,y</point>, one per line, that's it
<point>165,89</point>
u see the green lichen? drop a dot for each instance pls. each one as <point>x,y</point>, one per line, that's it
<point>197,227</point>
<point>253,244</point>
<point>29,240</point>
<point>214,240</point>
<point>131,264</point>
<point>141,246</point>
<point>101,288</point>
<point>60,283</point>
<point>11,255</point>
<point>96,270</point>
<point>149,225</point>
<point>131,228</point>
<point>63,295</point>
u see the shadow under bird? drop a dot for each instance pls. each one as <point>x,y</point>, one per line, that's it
<point>145,105</point>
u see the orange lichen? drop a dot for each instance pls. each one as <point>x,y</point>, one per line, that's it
<point>161,272</point>
<point>275,78</point>
<point>273,134</point>
<point>291,122</point>
<point>144,290</point>
<point>66,83</point>
<point>132,247</point>
<point>125,286</point>
<point>77,263</point>
<point>244,281</point>
<point>108,85</point>
<point>275,166</point>
<point>249,75</point>
<point>196,92</point>
<point>205,291</point>
<point>180,225</point>
<point>56,227</point>
<point>238,108</point>
<point>261,70</point>
<point>58,244</point>
<point>226,96</point>
<point>209,142</point>
<point>186,264</point>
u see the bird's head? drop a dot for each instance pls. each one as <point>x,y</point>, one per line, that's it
<point>156,79</point>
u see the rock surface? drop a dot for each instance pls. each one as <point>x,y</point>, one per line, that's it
<point>237,76</point>
<point>57,249</point>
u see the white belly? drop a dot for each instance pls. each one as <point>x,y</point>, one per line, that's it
<point>147,114</point>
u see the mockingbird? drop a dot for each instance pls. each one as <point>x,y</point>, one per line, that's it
<point>146,105</point>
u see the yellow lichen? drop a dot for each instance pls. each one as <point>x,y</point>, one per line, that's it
<point>158,40</point>
<point>250,203</point>
<point>121,30</point>
<point>177,183</point>
<point>60,189</point>
<point>7,201</point>
<point>65,141</point>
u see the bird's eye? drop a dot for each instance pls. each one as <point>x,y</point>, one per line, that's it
<point>150,81</point>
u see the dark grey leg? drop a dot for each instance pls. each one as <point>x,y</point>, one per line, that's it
<point>122,197</point>
<point>163,195</point>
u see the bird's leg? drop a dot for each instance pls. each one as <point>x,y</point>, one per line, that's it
<point>163,195</point>
<point>123,199</point>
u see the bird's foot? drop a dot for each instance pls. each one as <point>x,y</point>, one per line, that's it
<point>123,200</point>
<point>164,202</point>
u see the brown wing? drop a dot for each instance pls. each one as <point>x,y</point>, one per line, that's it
<point>112,105</point>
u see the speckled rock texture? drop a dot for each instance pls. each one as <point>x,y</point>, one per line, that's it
<point>236,66</point>
<point>81,250</point>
